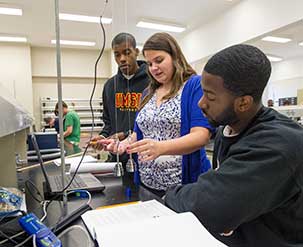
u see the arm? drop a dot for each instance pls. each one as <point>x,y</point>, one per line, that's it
<point>197,138</point>
<point>69,122</point>
<point>252,181</point>
<point>68,131</point>
<point>105,132</point>
<point>150,149</point>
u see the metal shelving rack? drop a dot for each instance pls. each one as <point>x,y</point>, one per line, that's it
<point>81,106</point>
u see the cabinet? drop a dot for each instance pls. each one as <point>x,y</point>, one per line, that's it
<point>81,106</point>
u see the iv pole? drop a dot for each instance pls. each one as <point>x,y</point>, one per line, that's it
<point>60,108</point>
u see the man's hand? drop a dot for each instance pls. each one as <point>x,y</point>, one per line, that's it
<point>95,142</point>
<point>120,135</point>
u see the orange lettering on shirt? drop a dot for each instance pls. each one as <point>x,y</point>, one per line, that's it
<point>128,101</point>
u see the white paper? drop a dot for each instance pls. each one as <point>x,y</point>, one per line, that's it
<point>93,167</point>
<point>96,220</point>
<point>177,230</point>
<point>88,165</point>
<point>76,160</point>
<point>147,224</point>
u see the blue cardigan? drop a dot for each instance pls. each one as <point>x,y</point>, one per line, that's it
<point>191,116</point>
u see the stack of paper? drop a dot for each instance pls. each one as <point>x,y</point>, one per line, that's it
<point>147,224</point>
<point>76,160</point>
<point>88,165</point>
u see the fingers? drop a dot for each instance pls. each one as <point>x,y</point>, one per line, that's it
<point>145,156</point>
<point>114,146</point>
<point>122,146</point>
<point>146,149</point>
<point>100,144</point>
<point>97,145</point>
<point>109,147</point>
<point>140,146</point>
<point>139,143</point>
<point>107,144</point>
<point>96,138</point>
<point>94,142</point>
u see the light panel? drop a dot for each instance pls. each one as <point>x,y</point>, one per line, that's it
<point>84,18</point>
<point>274,58</point>
<point>74,42</point>
<point>12,39</point>
<point>10,11</point>
<point>276,39</point>
<point>160,26</point>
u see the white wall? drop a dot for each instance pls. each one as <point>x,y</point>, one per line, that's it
<point>198,66</point>
<point>285,88</point>
<point>245,21</point>
<point>20,63</point>
<point>77,74</point>
<point>114,65</point>
<point>287,69</point>
<point>74,63</point>
<point>286,79</point>
<point>16,74</point>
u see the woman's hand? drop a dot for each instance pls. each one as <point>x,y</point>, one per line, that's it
<point>98,144</point>
<point>146,149</point>
<point>115,146</point>
<point>111,145</point>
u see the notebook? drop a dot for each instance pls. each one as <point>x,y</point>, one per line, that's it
<point>147,224</point>
<point>53,184</point>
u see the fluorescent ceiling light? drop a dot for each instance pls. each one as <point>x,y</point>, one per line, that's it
<point>84,18</point>
<point>12,39</point>
<point>301,43</point>
<point>74,42</point>
<point>274,58</point>
<point>159,26</point>
<point>276,39</point>
<point>10,11</point>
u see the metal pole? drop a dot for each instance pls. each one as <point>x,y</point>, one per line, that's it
<point>60,108</point>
